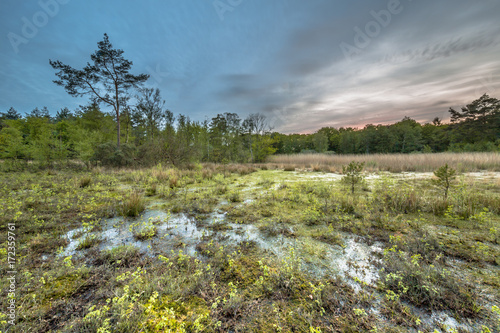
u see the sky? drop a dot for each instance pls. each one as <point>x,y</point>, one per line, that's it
<point>303,64</point>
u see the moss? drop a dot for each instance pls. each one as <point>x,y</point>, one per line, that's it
<point>63,286</point>
<point>121,255</point>
<point>241,287</point>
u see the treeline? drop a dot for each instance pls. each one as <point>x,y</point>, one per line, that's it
<point>151,134</point>
<point>476,128</point>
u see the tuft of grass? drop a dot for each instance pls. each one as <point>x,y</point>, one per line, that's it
<point>160,174</point>
<point>152,190</point>
<point>219,226</point>
<point>220,189</point>
<point>84,181</point>
<point>234,196</point>
<point>173,182</point>
<point>330,238</point>
<point>122,255</point>
<point>133,205</point>
<point>88,241</point>
<point>273,229</point>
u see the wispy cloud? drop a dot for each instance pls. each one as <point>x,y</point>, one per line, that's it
<point>280,58</point>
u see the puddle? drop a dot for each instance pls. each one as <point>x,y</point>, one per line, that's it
<point>483,175</point>
<point>72,242</point>
<point>356,261</point>
<point>321,259</point>
<point>179,231</point>
<point>448,323</point>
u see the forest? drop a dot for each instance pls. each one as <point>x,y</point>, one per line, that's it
<point>151,134</point>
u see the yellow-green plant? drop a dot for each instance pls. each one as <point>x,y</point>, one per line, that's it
<point>352,174</point>
<point>444,178</point>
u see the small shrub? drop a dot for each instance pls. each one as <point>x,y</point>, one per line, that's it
<point>108,154</point>
<point>444,178</point>
<point>173,182</point>
<point>311,216</point>
<point>352,174</point>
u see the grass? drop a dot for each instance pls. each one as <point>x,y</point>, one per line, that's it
<point>430,253</point>
<point>133,205</point>
<point>88,241</point>
<point>462,162</point>
<point>84,181</point>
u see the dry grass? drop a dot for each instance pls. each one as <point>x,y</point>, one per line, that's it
<point>462,162</point>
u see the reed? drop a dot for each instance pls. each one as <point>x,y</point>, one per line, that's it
<point>462,162</point>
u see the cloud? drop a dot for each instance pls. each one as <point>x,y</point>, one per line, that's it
<point>281,58</point>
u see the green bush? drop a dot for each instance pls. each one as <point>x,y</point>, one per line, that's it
<point>352,174</point>
<point>444,178</point>
<point>109,155</point>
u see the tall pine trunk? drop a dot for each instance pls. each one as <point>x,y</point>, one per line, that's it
<point>118,128</point>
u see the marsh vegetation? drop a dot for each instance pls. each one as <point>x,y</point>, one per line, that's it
<point>219,248</point>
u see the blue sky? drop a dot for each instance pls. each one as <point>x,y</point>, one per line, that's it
<point>304,64</point>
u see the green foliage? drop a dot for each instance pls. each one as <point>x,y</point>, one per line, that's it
<point>444,178</point>
<point>283,278</point>
<point>477,122</point>
<point>408,277</point>
<point>143,230</point>
<point>106,81</point>
<point>11,143</point>
<point>109,155</point>
<point>152,135</point>
<point>352,174</point>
